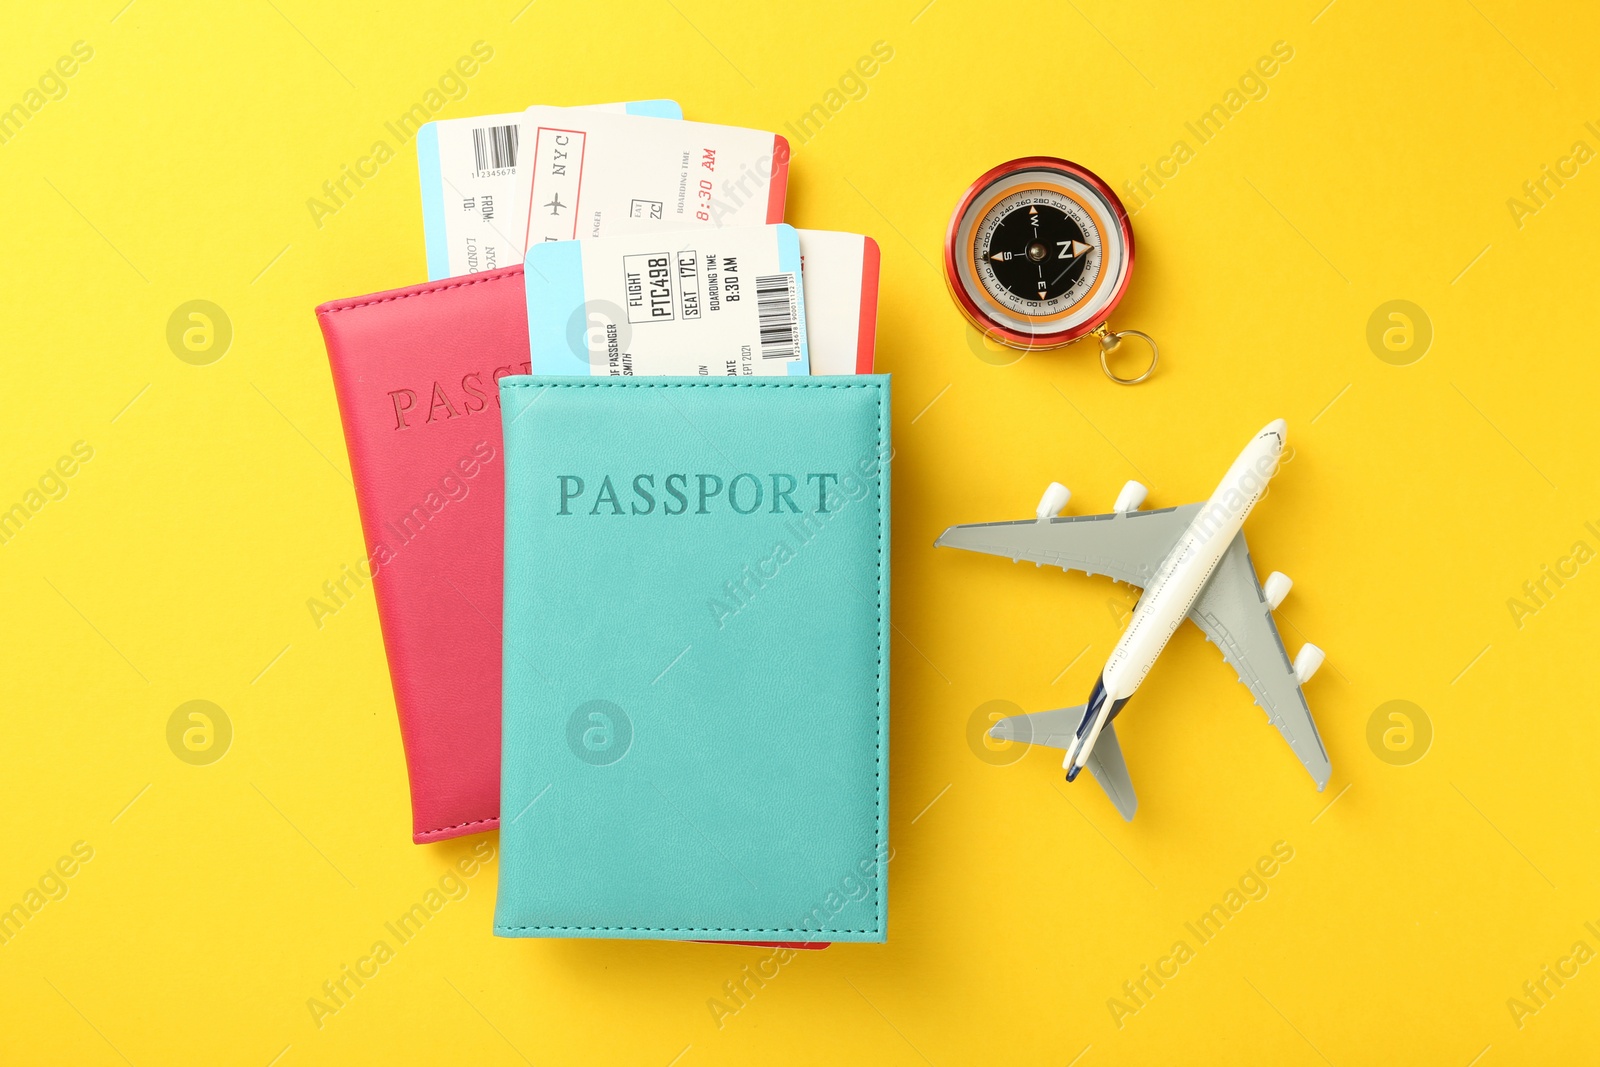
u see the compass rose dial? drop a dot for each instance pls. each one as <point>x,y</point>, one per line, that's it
<point>1038,253</point>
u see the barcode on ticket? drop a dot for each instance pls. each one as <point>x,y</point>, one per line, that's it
<point>779,314</point>
<point>495,147</point>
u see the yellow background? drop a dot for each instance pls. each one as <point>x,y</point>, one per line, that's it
<point>1420,498</point>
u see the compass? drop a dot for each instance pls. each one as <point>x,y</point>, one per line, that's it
<point>1038,254</point>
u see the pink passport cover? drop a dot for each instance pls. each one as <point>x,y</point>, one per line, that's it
<point>415,371</point>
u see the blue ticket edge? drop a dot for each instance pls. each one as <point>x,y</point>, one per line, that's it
<point>554,283</point>
<point>789,263</point>
<point>431,178</point>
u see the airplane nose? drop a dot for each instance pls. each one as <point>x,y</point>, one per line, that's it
<point>1279,428</point>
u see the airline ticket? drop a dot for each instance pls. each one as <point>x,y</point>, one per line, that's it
<point>598,174</point>
<point>474,181</point>
<point>713,302</point>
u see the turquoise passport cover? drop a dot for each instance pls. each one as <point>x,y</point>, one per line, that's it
<point>696,699</point>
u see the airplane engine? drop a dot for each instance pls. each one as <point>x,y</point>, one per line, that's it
<point>1131,497</point>
<point>1055,498</point>
<point>1307,662</point>
<point>1277,587</point>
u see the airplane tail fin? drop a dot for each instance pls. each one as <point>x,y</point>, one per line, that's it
<point>1056,730</point>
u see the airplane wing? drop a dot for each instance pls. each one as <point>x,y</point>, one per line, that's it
<point>1233,613</point>
<point>1055,729</point>
<point>1111,771</point>
<point>1127,546</point>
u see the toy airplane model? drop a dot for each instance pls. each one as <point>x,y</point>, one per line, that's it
<point>1190,561</point>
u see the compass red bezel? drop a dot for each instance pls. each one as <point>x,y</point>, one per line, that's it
<point>976,314</point>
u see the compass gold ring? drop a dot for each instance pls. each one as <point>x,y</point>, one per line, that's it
<point>1112,340</point>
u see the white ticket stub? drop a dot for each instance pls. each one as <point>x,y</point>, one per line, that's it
<point>840,274</point>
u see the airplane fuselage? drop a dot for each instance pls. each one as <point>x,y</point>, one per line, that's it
<point>1179,580</point>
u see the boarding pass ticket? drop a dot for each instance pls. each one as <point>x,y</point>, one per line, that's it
<point>585,172</point>
<point>474,180</point>
<point>597,174</point>
<point>716,302</point>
